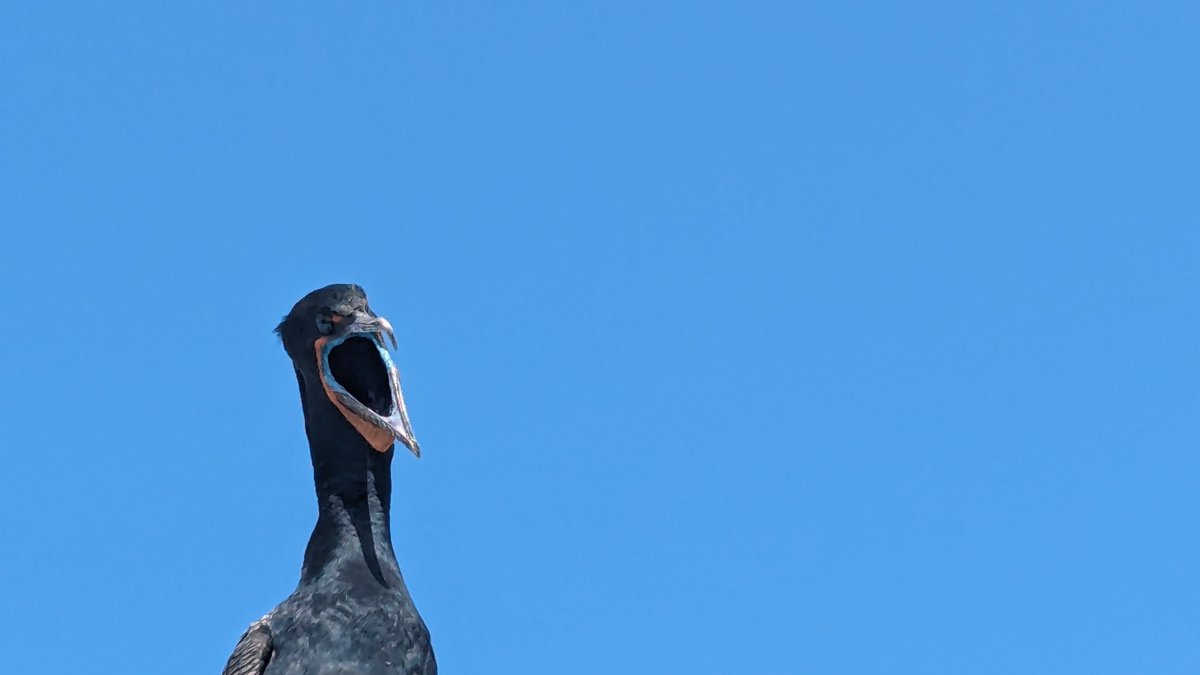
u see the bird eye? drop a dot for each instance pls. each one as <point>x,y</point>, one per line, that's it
<point>324,324</point>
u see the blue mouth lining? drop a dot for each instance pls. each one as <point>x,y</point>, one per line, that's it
<point>336,386</point>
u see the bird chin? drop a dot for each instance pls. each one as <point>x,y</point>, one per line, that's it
<point>362,382</point>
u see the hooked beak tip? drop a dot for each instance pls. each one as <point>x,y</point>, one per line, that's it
<point>385,329</point>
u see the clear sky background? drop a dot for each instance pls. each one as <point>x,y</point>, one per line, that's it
<point>740,337</point>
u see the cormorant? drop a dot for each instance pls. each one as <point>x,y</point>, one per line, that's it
<point>351,612</point>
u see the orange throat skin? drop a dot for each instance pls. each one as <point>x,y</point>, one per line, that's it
<point>378,438</point>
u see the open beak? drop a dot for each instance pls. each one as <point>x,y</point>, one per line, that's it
<point>362,381</point>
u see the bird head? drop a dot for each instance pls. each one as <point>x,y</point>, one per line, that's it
<point>337,344</point>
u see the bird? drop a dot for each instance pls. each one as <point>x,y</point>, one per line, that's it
<point>351,611</point>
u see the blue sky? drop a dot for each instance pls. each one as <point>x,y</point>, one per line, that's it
<point>740,337</point>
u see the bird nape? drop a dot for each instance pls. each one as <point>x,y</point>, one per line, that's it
<point>351,612</point>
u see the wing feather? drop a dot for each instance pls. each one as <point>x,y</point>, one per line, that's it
<point>253,651</point>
